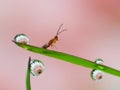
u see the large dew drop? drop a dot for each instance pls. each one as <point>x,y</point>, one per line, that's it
<point>21,38</point>
<point>36,67</point>
<point>96,75</point>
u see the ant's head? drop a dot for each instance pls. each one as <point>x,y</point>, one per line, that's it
<point>56,37</point>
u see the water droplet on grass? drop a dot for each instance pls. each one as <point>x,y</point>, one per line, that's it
<point>36,67</point>
<point>99,61</point>
<point>96,75</point>
<point>21,38</point>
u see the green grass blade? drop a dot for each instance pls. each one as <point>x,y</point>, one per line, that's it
<point>28,85</point>
<point>70,58</point>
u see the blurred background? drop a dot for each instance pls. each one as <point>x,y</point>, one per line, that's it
<point>93,31</point>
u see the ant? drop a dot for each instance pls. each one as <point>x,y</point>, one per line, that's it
<point>55,39</point>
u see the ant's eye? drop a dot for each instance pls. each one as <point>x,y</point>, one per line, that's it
<point>36,67</point>
<point>21,38</point>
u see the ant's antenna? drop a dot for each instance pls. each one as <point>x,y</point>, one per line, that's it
<point>59,29</point>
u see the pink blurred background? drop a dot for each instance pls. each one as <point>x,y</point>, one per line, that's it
<point>93,31</point>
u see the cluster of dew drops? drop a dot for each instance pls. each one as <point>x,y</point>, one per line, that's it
<point>37,66</point>
<point>97,74</point>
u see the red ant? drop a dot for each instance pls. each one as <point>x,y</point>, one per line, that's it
<point>55,39</point>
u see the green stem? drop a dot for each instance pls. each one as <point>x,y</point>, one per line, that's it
<point>28,85</point>
<point>70,58</point>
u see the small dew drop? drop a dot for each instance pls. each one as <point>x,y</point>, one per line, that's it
<point>96,75</point>
<point>36,67</point>
<point>21,38</point>
<point>99,61</point>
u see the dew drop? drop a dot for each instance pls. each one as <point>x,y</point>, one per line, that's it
<point>36,67</point>
<point>99,61</point>
<point>97,75</point>
<point>21,38</point>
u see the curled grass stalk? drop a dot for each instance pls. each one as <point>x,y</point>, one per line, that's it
<point>70,58</point>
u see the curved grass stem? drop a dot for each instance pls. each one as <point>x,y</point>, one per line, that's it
<point>70,58</point>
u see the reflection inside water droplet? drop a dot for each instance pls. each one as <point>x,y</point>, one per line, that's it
<point>21,38</point>
<point>99,61</point>
<point>96,75</point>
<point>36,67</point>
